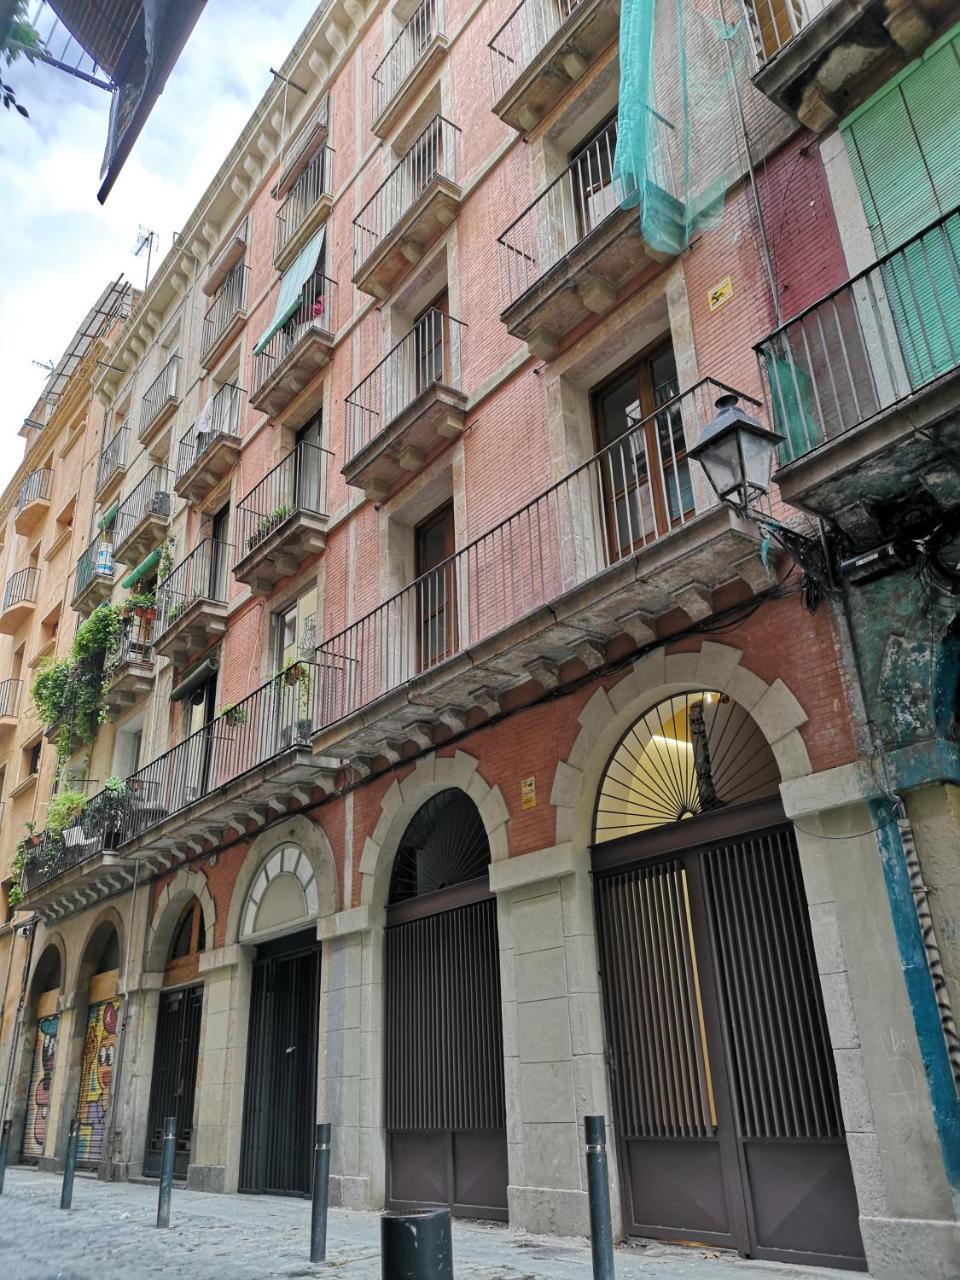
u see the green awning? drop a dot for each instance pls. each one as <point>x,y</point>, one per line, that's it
<point>291,287</point>
<point>144,567</point>
<point>108,517</point>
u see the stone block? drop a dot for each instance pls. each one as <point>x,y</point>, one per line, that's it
<point>681,668</point>
<point>548,1210</point>
<point>546,1092</point>
<point>531,868</point>
<point>597,713</point>
<point>838,1006</point>
<point>541,975</point>
<point>625,693</point>
<point>551,1155</point>
<point>827,944</point>
<point>566,784</point>
<point>543,1031</point>
<point>746,688</point>
<point>793,759</point>
<point>537,923</point>
<point>464,767</point>
<point>586,1023</point>
<point>854,1098</point>
<point>716,664</point>
<point>493,810</point>
<point>866,1162</point>
<point>206,1177</point>
<point>577,895</point>
<point>778,712</point>
<point>650,670</point>
<point>582,971</point>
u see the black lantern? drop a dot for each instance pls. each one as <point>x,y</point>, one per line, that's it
<point>736,451</point>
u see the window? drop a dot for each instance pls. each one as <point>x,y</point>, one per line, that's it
<point>295,631</point>
<point>31,758</point>
<point>436,604</point>
<point>592,177</point>
<point>428,329</point>
<point>127,748</point>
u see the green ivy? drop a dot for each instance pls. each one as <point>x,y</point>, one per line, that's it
<point>69,693</point>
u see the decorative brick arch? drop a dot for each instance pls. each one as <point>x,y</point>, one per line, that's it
<point>609,714</point>
<point>430,775</point>
<point>312,843</point>
<point>189,882</point>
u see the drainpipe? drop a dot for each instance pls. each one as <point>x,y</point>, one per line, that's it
<point>31,926</point>
<point>122,1037</point>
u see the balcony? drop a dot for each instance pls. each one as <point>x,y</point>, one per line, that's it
<point>313,135</point>
<point>564,259</point>
<point>129,674</point>
<point>33,501</point>
<point>304,209</point>
<point>234,770</point>
<point>543,48</point>
<point>626,538</point>
<point>159,404</point>
<point>11,691</point>
<point>93,577</point>
<point>298,350</point>
<point>225,317</point>
<point>409,211</point>
<point>112,466</point>
<point>192,602</point>
<point>19,600</point>
<point>864,386</point>
<point>142,518</point>
<point>411,404</point>
<point>407,65</point>
<point>821,58</point>
<point>283,520</point>
<point>209,451</point>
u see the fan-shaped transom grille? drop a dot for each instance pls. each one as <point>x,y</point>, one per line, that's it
<point>688,755</point>
<point>444,844</point>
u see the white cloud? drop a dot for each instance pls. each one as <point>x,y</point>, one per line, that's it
<point>58,247</point>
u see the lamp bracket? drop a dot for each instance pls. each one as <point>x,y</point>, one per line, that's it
<point>811,554</point>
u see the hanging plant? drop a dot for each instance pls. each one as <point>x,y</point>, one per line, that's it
<point>69,692</point>
<point>64,810</point>
<point>165,565</point>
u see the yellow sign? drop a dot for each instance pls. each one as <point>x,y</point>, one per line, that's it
<point>720,293</point>
<point>528,793</point>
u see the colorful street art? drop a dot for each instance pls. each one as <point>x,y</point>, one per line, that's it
<point>96,1078</point>
<point>41,1077</point>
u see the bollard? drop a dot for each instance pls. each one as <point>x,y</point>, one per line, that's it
<point>416,1246</point>
<point>321,1178</point>
<point>166,1170</point>
<point>4,1145</point>
<point>70,1164</point>
<point>598,1187</point>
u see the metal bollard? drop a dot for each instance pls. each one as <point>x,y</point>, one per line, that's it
<point>321,1178</point>
<point>416,1246</point>
<point>70,1164</point>
<point>4,1145</point>
<point>598,1187</point>
<point>166,1170</point>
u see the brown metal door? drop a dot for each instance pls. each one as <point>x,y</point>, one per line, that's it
<point>726,1099</point>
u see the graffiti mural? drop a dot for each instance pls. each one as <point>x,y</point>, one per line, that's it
<point>96,1078</point>
<point>41,1078</point>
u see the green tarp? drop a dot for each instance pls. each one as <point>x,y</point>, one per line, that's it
<point>291,287</point>
<point>142,568</point>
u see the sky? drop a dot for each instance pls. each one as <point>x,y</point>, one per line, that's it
<point>58,246</point>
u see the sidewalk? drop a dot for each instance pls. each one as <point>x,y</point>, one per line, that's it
<point>110,1235</point>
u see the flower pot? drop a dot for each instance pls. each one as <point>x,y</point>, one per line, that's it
<point>145,613</point>
<point>293,675</point>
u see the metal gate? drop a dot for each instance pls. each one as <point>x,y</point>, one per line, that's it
<point>174,1082</point>
<point>96,1079</point>
<point>279,1109</point>
<point>726,1098</point>
<point>38,1096</point>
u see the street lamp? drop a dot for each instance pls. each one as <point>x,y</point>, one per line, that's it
<point>736,452</point>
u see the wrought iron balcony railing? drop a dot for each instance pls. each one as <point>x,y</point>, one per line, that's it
<point>220,417</point>
<point>135,645</point>
<point>883,336</point>
<point>315,181</point>
<point>97,829</point>
<point>774,23</point>
<point>427,355</point>
<point>36,487</point>
<point>22,587</point>
<point>10,694</point>
<point>95,562</point>
<point>231,298</point>
<point>432,155</point>
<point>201,576</point>
<point>298,483</point>
<point>522,36</point>
<point>625,497</point>
<point>318,125</point>
<point>278,715</point>
<point>318,307</point>
<point>403,55</point>
<point>113,457</point>
<point>151,497</point>
<point>162,390</point>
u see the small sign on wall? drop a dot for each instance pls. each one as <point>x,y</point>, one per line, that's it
<point>528,793</point>
<point>720,293</point>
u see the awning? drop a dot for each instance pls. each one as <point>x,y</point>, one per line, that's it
<point>291,287</point>
<point>108,517</point>
<point>195,679</point>
<point>143,568</point>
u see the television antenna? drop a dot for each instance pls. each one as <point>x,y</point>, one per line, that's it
<point>145,239</point>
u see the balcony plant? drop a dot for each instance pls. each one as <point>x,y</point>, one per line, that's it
<point>113,803</point>
<point>144,605</point>
<point>234,714</point>
<point>165,565</point>
<point>21,856</point>
<point>63,814</point>
<point>268,523</point>
<point>69,693</point>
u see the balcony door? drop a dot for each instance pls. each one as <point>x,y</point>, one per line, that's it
<point>306,466</point>
<point>591,171</point>
<point>219,533</point>
<point>435,589</point>
<point>429,337</point>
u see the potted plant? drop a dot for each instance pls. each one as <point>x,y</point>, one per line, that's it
<point>294,673</point>
<point>113,804</point>
<point>63,814</point>
<point>144,605</point>
<point>234,714</point>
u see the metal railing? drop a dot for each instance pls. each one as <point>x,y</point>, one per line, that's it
<point>320,123</point>
<point>151,497</point>
<point>231,298</point>
<point>572,207</point>
<point>96,829</point>
<point>774,23</point>
<point>882,336</point>
<point>112,457</point>
<point>35,488</point>
<point>220,416</point>
<point>279,715</point>
<point>625,497</point>
<point>161,390</point>
<point>315,181</point>
<point>398,62</point>
<point>95,562</point>
<point>134,645</point>
<point>10,694</point>
<point>318,307</point>
<point>202,575</point>
<point>432,155</point>
<point>21,586</point>
<point>298,483</point>
<point>428,354</point>
<point>522,36</point>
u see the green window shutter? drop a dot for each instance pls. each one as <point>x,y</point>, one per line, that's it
<point>291,287</point>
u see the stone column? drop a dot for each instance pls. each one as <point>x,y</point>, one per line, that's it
<point>132,1101</point>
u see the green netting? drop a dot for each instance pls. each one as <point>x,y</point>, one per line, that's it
<point>676,127</point>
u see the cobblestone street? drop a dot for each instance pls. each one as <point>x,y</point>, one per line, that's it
<point>110,1234</point>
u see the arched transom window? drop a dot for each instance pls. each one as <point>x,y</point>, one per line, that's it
<point>283,894</point>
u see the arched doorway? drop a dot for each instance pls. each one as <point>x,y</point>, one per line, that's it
<point>728,1115</point>
<point>173,1084</point>
<point>444,1107</point>
<point>102,961</point>
<point>47,980</point>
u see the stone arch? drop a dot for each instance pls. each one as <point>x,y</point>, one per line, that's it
<point>96,936</point>
<point>608,715</point>
<point>311,841</point>
<point>53,948</point>
<point>189,882</point>
<point>402,800</point>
